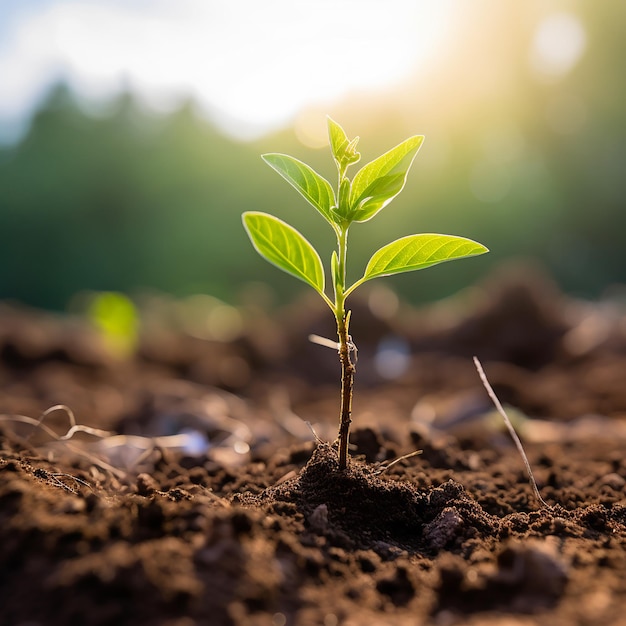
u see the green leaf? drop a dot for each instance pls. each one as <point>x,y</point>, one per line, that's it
<point>376,184</point>
<point>379,193</point>
<point>283,246</point>
<point>338,139</point>
<point>316,189</point>
<point>417,252</point>
<point>344,150</point>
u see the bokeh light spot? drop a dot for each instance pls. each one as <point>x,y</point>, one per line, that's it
<point>559,43</point>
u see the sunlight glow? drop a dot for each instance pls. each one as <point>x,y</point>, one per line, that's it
<point>558,45</point>
<point>251,66</point>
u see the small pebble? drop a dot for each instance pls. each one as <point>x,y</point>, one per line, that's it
<point>319,518</point>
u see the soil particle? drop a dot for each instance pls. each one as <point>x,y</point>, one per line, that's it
<point>443,528</point>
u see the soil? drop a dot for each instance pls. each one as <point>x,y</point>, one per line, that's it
<point>203,497</point>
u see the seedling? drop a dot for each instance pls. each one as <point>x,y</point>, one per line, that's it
<point>358,200</point>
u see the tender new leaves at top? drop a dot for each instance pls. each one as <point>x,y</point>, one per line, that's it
<point>306,180</point>
<point>417,252</point>
<point>283,246</point>
<point>371,189</point>
<point>376,184</point>
<point>344,150</point>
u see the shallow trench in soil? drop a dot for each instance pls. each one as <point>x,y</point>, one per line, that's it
<point>199,494</point>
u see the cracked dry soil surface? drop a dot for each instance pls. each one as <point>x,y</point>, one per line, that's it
<point>258,527</point>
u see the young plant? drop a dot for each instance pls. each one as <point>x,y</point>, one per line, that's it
<point>371,189</point>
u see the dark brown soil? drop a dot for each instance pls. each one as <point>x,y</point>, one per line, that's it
<point>208,500</point>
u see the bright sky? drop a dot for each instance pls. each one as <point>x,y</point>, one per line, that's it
<point>251,65</point>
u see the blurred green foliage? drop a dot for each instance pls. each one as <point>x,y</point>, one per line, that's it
<point>115,316</point>
<point>132,200</point>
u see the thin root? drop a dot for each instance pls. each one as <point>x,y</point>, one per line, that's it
<point>384,468</point>
<point>507,421</point>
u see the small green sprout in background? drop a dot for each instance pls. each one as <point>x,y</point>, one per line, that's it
<point>115,316</point>
<point>371,189</point>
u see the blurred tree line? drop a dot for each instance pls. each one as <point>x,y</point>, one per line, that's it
<point>132,200</point>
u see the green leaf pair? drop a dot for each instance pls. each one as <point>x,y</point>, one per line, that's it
<point>283,246</point>
<point>373,187</point>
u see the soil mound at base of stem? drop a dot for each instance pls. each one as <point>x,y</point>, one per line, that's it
<point>357,508</point>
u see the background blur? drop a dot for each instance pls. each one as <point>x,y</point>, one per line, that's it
<point>131,132</point>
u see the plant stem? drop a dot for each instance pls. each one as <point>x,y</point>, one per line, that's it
<point>347,383</point>
<point>345,345</point>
